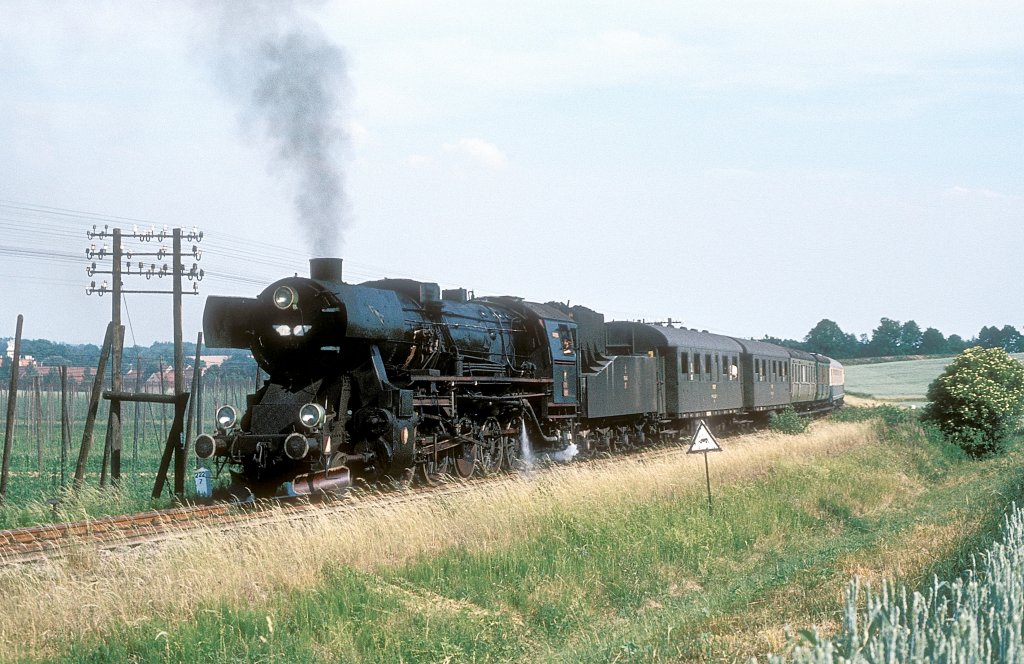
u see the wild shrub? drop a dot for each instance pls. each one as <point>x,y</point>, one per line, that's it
<point>977,402</point>
<point>787,421</point>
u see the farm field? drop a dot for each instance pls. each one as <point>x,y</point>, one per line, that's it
<point>40,470</point>
<point>904,381</point>
<point>617,562</point>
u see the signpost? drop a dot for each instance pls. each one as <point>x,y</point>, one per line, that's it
<point>702,443</point>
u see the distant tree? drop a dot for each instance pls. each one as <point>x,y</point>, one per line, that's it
<point>910,338</point>
<point>933,342</point>
<point>1007,338</point>
<point>885,339</point>
<point>829,339</point>
<point>955,344</point>
<point>978,400</point>
<point>787,343</point>
<point>1014,339</point>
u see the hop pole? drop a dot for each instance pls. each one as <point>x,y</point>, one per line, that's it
<point>12,398</point>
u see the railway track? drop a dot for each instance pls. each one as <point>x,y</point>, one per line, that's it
<point>39,543</point>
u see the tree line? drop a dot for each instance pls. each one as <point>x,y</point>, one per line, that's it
<point>45,353</point>
<point>893,338</point>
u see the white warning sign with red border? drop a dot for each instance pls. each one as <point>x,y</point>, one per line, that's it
<point>703,441</point>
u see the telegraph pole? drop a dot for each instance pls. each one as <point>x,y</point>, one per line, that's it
<point>112,446</point>
<point>123,266</point>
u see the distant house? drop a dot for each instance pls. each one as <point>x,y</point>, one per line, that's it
<point>215,360</point>
<point>76,375</point>
<point>153,383</point>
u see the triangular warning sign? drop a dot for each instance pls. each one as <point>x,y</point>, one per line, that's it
<point>703,441</point>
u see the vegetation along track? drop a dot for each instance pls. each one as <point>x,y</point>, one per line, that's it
<point>36,543</point>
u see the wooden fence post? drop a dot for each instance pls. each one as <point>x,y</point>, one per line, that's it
<point>12,398</point>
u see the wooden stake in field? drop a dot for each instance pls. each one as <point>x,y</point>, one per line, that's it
<point>94,404</point>
<point>196,376</point>
<point>37,398</point>
<point>65,426</point>
<point>702,443</point>
<point>12,398</point>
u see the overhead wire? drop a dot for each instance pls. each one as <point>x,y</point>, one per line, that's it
<point>240,261</point>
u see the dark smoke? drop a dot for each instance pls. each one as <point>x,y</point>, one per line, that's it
<point>291,81</point>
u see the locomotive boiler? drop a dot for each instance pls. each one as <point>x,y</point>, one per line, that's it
<point>379,379</point>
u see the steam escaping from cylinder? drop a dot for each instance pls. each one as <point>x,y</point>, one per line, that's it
<point>290,81</point>
<point>524,443</point>
<point>566,455</point>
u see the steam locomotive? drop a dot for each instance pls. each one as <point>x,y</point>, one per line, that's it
<point>389,378</point>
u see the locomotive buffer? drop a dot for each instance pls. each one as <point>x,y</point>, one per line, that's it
<point>702,443</point>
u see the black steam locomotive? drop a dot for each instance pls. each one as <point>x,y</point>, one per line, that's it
<point>388,378</point>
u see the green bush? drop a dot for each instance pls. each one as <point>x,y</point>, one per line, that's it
<point>978,400</point>
<point>787,421</point>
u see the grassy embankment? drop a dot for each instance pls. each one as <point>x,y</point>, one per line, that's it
<point>618,563</point>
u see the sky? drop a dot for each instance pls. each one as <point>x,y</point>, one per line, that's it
<point>747,168</point>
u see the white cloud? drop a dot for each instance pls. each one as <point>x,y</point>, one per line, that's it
<point>478,151</point>
<point>474,152</point>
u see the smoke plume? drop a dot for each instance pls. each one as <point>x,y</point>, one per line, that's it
<point>291,83</point>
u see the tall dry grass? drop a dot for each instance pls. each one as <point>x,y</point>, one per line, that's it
<point>89,593</point>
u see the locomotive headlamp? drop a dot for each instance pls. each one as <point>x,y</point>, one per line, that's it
<point>312,415</point>
<point>205,446</point>
<point>296,446</point>
<point>285,297</point>
<point>226,417</point>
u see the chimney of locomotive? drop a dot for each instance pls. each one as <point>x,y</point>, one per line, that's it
<point>325,269</point>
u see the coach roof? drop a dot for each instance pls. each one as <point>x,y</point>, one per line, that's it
<point>645,336</point>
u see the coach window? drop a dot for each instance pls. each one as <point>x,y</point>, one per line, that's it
<point>696,367</point>
<point>684,367</point>
<point>707,368</point>
<point>734,370</point>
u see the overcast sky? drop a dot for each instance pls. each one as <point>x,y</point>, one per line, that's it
<point>747,168</point>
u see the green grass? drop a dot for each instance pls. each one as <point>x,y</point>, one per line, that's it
<point>655,580</point>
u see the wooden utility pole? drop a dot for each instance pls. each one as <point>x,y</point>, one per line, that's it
<point>12,399</point>
<point>179,364</point>
<point>177,273</point>
<point>113,442</point>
